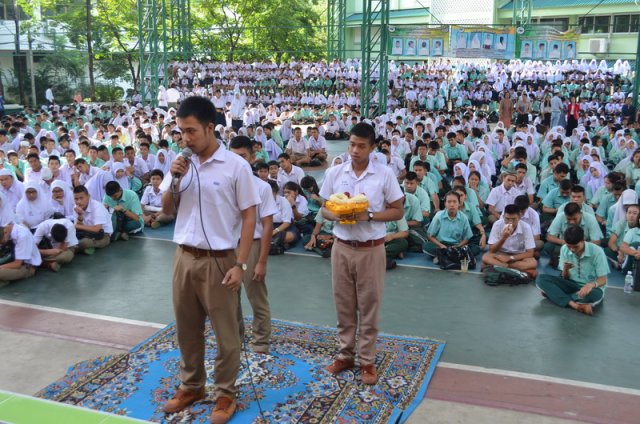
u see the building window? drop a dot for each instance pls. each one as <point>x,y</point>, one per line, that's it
<point>594,24</point>
<point>626,23</point>
<point>561,24</point>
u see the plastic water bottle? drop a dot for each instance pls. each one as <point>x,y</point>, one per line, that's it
<point>628,283</point>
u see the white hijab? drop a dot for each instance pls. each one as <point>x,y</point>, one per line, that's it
<point>33,212</point>
<point>96,184</point>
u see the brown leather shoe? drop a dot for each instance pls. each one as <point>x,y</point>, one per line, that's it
<point>339,365</point>
<point>225,407</point>
<point>181,400</point>
<point>369,374</point>
<point>585,308</point>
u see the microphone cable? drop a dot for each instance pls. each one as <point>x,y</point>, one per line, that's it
<point>245,349</point>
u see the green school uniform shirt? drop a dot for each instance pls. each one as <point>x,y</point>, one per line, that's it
<point>129,200</point>
<point>587,268</point>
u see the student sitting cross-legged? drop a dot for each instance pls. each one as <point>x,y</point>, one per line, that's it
<point>93,223</point>
<point>449,227</point>
<point>584,266</point>
<point>127,217</point>
<point>25,256</point>
<point>56,240</point>
<point>511,243</point>
<point>151,202</point>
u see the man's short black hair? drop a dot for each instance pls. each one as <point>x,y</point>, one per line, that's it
<point>364,130</point>
<point>284,156</point>
<point>566,185</point>
<point>81,189</point>
<point>156,172</point>
<point>112,188</point>
<point>522,202</point>
<point>521,166</point>
<point>512,209</point>
<point>261,165</point>
<point>59,233</point>
<point>571,209</point>
<point>116,149</point>
<point>200,108</point>
<point>561,168</point>
<point>577,189</point>
<point>54,158</point>
<point>241,142</point>
<point>33,155</point>
<point>411,176</point>
<point>574,234</point>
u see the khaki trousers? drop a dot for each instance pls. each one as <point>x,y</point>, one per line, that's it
<point>25,271</point>
<point>198,293</point>
<point>63,258</point>
<point>98,244</point>
<point>358,283</point>
<point>257,295</point>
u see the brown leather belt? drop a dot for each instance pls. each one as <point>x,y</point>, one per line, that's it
<point>198,253</point>
<point>356,243</point>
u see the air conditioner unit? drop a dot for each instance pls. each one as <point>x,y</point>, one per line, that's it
<point>598,45</point>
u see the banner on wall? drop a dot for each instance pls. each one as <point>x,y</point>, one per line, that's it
<point>547,43</point>
<point>419,42</point>
<point>483,42</point>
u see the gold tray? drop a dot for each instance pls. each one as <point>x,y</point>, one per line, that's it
<point>346,210</point>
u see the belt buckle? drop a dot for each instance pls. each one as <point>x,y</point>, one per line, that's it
<point>354,243</point>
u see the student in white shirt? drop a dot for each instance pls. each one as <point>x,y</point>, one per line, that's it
<point>151,202</point>
<point>93,222</point>
<point>26,254</point>
<point>56,240</point>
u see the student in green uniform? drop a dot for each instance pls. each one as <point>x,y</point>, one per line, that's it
<point>449,227</point>
<point>629,225</point>
<point>572,216</point>
<point>127,216</point>
<point>396,241</point>
<point>582,283</point>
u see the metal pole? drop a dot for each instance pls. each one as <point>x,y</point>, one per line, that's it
<point>32,70</point>
<point>636,82</point>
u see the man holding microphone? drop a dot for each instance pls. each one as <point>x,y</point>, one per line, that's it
<point>214,208</point>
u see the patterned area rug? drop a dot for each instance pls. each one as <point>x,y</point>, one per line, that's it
<point>291,383</point>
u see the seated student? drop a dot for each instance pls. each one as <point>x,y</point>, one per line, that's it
<point>322,235</point>
<point>26,256</point>
<point>572,216</point>
<point>83,172</point>
<point>12,189</point>
<point>136,166</point>
<point>126,217</point>
<point>449,227</point>
<point>283,227</point>
<point>394,163</point>
<point>603,194</point>
<point>34,207</point>
<point>62,200</point>
<point>520,155</point>
<point>554,199</point>
<point>274,168</point>
<point>311,191</point>
<point>610,200</point>
<point>58,175</point>
<point>411,186</point>
<point>454,151</point>
<point>531,217</point>
<point>479,239</point>
<point>287,172</point>
<point>547,171</point>
<point>297,149</point>
<point>501,196</point>
<point>261,155</point>
<point>93,222</point>
<point>395,241</point>
<point>262,171</point>
<point>428,182</point>
<point>151,202</point>
<point>300,207</point>
<point>616,212</point>
<point>56,240</point>
<point>614,250</point>
<point>317,148</point>
<point>523,184</point>
<point>511,243</point>
<point>436,158</point>
<point>480,188</point>
<point>578,196</point>
<point>583,280</point>
<point>560,173</point>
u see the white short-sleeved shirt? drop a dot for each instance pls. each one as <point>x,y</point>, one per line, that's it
<point>518,242</point>
<point>300,147</point>
<point>151,198</point>
<point>499,197</point>
<point>296,175</point>
<point>97,214</point>
<point>377,182</point>
<point>284,213</point>
<point>25,246</point>
<point>526,187</point>
<point>396,165</point>
<point>267,206</point>
<point>44,230</point>
<point>225,187</point>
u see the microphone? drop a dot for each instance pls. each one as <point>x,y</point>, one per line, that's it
<point>186,154</point>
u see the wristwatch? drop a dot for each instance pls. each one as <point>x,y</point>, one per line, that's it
<point>370,215</point>
<point>511,258</point>
<point>241,266</point>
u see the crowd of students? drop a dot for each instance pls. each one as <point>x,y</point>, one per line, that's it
<point>79,177</point>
